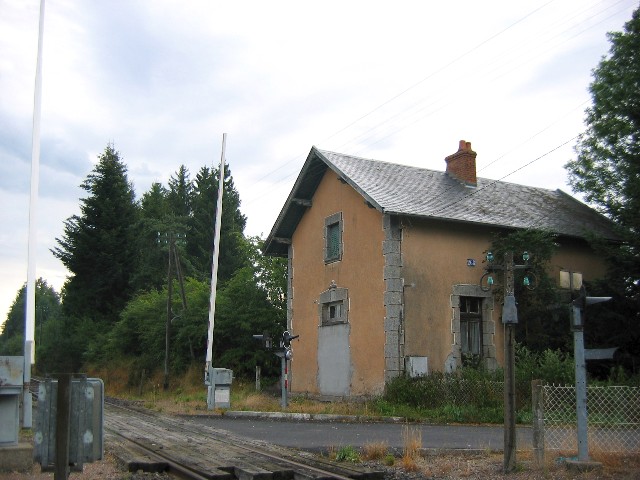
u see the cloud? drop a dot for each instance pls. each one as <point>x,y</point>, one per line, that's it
<point>163,80</point>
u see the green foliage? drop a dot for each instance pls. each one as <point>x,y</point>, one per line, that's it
<point>472,395</point>
<point>550,366</point>
<point>155,221</point>
<point>62,348</point>
<point>468,386</point>
<point>47,307</point>
<point>99,246</point>
<point>539,327</point>
<point>242,309</point>
<point>201,222</point>
<point>606,170</point>
<point>115,302</point>
<point>347,453</point>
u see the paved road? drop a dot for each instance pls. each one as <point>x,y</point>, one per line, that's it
<point>314,435</point>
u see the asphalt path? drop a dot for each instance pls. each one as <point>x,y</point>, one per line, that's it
<point>323,435</point>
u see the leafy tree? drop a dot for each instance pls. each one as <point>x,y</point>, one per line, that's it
<point>538,328</point>
<point>140,332</point>
<point>607,167</point>
<point>47,307</point>
<point>243,308</point>
<point>607,171</point>
<point>63,346</point>
<point>270,274</point>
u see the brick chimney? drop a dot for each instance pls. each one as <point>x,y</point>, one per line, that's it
<point>462,164</point>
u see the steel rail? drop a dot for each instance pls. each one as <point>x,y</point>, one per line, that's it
<point>253,450</point>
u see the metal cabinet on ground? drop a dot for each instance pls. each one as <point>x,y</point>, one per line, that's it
<point>86,419</point>
<point>11,380</point>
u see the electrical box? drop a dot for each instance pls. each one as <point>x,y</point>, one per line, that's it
<point>417,366</point>
<point>509,310</point>
<point>222,376</point>
<point>11,380</point>
<point>86,429</point>
<point>219,395</point>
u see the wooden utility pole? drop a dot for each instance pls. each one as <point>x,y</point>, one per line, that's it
<point>63,428</point>
<point>509,319</point>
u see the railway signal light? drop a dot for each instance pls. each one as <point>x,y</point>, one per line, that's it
<point>266,339</point>
<point>286,339</point>
<point>579,304</point>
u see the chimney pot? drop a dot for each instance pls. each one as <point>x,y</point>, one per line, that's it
<point>462,164</point>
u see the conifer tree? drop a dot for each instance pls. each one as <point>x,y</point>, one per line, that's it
<point>99,245</point>
<point>201,226</point>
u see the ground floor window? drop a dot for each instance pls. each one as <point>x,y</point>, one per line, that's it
<point>471,326</point>
<point>334,306</point>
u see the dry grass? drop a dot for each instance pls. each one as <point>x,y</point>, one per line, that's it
<point>411,446</point>
<point>411,441</point>
<point>375,451</point>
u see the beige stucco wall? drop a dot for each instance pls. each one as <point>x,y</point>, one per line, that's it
<point>435,258</point>
<point>360,270</point>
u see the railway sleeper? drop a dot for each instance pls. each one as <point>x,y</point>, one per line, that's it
<point>137,459</point>
<point>263,471</point>
<point>354,471</point>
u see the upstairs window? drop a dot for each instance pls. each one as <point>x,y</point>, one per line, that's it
<point>333,238</point>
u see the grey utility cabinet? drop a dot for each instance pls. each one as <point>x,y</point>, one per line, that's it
<point>86,429</point>
<point>11,381</point>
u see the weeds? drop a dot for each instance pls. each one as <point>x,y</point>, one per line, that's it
<point>374,451</point>
<point>347,454</point>
<point>411,445</point>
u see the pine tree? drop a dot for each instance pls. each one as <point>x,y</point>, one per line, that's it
<point>202,221</point>
<point>99,246</point>
<point>151,261</point>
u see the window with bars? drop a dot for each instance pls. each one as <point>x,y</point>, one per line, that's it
<point>471,325</point>
<point>333,238</point>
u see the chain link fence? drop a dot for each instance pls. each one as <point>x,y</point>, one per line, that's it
<point>613,419</point>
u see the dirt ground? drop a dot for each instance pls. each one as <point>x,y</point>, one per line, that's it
<point>448,466</point>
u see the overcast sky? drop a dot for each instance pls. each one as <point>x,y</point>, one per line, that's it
<point>399,81</point>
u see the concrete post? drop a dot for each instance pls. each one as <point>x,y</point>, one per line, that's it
<point>537,406</point>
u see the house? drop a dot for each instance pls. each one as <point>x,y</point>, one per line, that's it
<point>381,277</point>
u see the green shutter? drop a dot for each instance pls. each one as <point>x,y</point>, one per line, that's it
<point>333,241</point>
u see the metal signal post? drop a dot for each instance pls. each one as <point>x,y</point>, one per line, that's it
<point>580,301</point>
<point>285,354</point>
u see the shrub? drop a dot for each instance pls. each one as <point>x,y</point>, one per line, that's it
<point>347,454</point>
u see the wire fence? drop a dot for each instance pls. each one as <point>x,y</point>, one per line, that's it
<point>613,419</point>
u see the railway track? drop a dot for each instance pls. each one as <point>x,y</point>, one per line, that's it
<point>153,442</point>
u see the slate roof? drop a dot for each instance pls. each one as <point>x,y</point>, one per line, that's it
<point>417,192</point>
